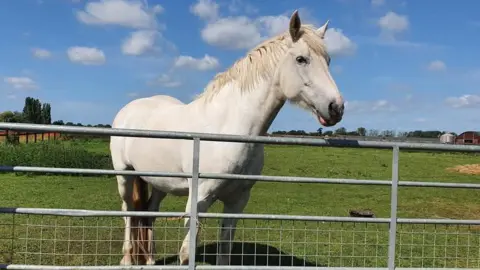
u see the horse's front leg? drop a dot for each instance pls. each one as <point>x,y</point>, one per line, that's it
<point>233,205</point>
<point>205,200</point>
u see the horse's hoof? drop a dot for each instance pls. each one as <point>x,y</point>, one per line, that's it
<point>184,260</point>
<point>126,261</point>
<point>150,261</point>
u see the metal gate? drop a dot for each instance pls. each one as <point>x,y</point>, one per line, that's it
<point>394,184</point>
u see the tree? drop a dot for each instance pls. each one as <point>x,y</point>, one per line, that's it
<point>46,114</point>
<point>319,130</point>
<point>341,131</point>
<point>35,112</point>
<point>388,133</point>
<point>373,133</point>
<point>328,133</point>
<point>11,117</point>
<point>32,110</point>
<point>58,123</point>
<point>362,131</point>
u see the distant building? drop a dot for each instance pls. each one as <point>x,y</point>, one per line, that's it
<point>447,138</point>
<point>468,137</point>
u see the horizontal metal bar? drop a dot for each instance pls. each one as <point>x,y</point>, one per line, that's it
<point>266,178</point>
<point>88,213</point>
<point>90,171</point>
<point>248,267</point>
<point>439,221</point>
<point>235,138</point>
<point>110,267</point>
<point>295,179</point>
<point>118,213</point>
<point>199,267</point>
<point>438,184</point>
<point>295,217</point>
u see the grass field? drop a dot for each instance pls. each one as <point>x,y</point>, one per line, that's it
<point>97,241</point>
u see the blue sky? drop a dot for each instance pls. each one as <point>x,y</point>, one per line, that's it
<point>400,64</point>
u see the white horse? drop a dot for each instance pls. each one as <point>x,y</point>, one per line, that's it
<point>243,100</point>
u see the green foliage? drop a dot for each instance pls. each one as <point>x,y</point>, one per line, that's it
<point>46,114</point>
<point>12,117</point>
<point>53,154</point>
<point>361,131</point>
<point>36,112</point>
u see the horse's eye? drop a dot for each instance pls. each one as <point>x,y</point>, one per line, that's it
<point>301,60</point>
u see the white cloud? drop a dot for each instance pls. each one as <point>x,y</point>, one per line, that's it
<point>126,13</point>
<point>86,55</point>
<point>274,25</point>
<point>206,63</point>
<point>377,3</point>
<point>139,42</point>
<point>157,9</point>
<point>241,32</point>
<point>393,23</point>
<point>166,81</point>
<point>232,33</point>
<point>41,53</point>
<point>437,65</point>
<point>239,6</point>
<point>205,10</point>
<point>465,101</point>
<point>338,44</point>
<point>21,82</point>
<point>369,106</point>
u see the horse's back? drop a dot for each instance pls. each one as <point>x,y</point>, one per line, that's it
<point>136,115</point>
<point>136,112</point>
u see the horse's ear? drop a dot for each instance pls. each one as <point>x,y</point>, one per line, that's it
<point>295,25</point>
<point>321,31</point>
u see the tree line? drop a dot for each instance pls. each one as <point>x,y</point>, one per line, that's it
<point>361,131</point>
<point>36,112</point>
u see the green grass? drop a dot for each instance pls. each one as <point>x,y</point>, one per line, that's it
<point>97,241</point>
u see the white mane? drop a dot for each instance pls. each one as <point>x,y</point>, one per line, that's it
<point>261,61</point>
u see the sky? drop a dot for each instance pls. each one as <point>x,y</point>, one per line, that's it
<point>400,65</point>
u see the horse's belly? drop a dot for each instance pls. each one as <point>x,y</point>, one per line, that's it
<point>174,186</point>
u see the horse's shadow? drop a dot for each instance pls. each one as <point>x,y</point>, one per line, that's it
<point>243,253</point>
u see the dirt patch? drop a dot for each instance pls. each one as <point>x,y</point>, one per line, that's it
<point>466,169</point>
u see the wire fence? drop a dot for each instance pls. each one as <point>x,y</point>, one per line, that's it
<point>87,239</point>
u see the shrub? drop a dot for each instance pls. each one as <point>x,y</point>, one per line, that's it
<point>53,154</point>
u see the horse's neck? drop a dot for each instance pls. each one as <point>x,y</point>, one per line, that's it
<point>244,113</point>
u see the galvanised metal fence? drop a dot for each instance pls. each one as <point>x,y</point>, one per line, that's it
<point>394,183</point>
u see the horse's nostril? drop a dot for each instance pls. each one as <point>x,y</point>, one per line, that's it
<point>330,106</point>
<point>335,109</point>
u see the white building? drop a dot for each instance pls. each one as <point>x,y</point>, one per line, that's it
<point>447,138</point>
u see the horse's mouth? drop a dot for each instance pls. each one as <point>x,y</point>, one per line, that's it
<point>324,122</point>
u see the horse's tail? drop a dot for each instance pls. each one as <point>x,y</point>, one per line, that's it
<point>139,224</point>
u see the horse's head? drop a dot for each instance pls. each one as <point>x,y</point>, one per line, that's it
<point>304,76</point>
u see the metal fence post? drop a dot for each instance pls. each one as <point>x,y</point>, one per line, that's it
<point>192,245</point>
<point>393,210</point>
